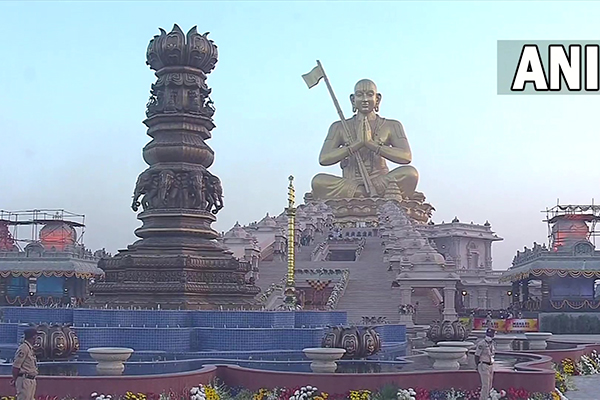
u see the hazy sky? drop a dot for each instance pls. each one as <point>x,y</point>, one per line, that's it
<point>74,85</point>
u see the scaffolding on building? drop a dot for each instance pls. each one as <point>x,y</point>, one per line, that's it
<point>31,222</point>
<point>572,221</point>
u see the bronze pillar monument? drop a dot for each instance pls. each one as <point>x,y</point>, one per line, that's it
<point>177,263</point>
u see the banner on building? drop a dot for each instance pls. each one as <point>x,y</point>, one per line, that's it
<point>505,325</point>
<point>522,325</point>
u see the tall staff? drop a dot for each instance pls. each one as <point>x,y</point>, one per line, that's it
<point>312,79</point>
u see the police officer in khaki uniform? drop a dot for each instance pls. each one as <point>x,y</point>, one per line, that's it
<point>25,369</point>
<point>484,358</point>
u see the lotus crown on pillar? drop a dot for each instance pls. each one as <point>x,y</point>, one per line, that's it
<point>176,48</point>
<point>181,67</point>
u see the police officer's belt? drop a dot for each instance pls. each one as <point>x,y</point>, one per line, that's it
<point>27,376</point>
<point>484,362</point>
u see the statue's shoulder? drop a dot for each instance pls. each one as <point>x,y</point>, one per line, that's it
<point>337,125</point>
<point>391,122</point>
<point>339,122</point>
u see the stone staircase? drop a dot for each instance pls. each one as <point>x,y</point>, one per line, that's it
<point>369,292</point>
<point>274,271</point>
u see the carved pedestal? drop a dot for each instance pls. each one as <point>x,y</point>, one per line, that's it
<point>177,263</point>
<point>349,211</point>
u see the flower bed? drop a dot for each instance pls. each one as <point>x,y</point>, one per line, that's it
<point>586,365</point>
<point>219,391</point>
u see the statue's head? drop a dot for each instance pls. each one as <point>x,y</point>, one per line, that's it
<point>365,98</point>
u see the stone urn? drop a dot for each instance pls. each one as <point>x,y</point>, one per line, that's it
<point>323,359</point>
<point>110,359</point>
<point>504,342</point>
<point>447,331</point>
<point>446,357</point>
<point>465,345</point>
<point>537,340</point>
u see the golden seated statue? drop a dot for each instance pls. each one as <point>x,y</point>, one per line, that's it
<point>361,145</point>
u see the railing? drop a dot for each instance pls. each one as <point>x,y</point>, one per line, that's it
<point>317,253</point>
<point>374,320</point>
<point>361,246</point>
<point>267,252</point>
<point>338,291</point>
<point>263,297</point>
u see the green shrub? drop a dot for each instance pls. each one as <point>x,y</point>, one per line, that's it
<point>570,324</point>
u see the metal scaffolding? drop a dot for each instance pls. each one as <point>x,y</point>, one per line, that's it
<point>32,221</point>
<point>578,214</point>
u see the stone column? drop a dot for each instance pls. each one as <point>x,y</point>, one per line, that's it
<point>481,298</point>
<point>525,289</point>
<point>516,292</point>
<point>449,313</point>
<point>545,295</point>
<point>488,255</point>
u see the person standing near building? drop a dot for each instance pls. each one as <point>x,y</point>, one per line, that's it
<point>484,359</point>
<point>24,370</point>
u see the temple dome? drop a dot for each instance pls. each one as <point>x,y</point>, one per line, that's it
<point>237,232</point>
<point>267,221</point>
<point>57,234</point>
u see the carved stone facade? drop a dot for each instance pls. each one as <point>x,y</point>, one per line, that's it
<point>177,263</point>
<point>469,247</point>
<point>419,265</point>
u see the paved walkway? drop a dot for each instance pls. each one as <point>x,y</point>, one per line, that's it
<point>587,388</point>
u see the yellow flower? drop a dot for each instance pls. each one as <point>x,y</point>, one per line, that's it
<point>211,393</point>
<point>555,396</point>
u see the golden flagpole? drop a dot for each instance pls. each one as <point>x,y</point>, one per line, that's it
<point>291,301</point>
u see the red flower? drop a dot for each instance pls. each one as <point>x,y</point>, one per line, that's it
<point>517,394</point>
<point>422,394</point>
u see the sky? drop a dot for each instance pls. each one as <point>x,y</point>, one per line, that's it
<point>74,86</point>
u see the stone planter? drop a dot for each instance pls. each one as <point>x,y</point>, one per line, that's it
<point>110,359</point>
<point>537,340</point>
<point>504,343</point>
<point>323,359</point>
<point>465,345</point>
<point>446,357</point>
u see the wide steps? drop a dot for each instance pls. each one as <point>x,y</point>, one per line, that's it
<point>369,292</point>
